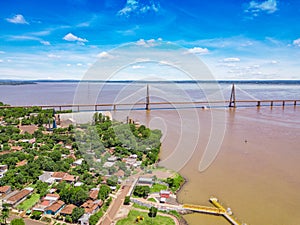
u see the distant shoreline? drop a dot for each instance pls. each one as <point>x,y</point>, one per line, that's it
<point>24,82</point>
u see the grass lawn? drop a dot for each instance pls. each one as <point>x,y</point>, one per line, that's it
<point>158,188</point>
<point>158,220</point>
<point>151,200</point>
<point>28,203</point>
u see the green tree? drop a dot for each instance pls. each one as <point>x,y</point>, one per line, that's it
<point>103,192</point>
<point>127,200</point>
<point>152,212</point>
<point>141,191</point>
<point>4,213</point>
<point>77,213</point>
<point>17,222</point>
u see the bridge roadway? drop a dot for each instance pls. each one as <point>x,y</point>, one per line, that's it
<point>115,106</point>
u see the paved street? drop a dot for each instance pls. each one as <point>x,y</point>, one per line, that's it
<point>107,219</point>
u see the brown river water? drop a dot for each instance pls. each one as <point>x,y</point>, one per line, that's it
<point>256,172</point>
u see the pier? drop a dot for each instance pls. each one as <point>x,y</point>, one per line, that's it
<point>218,210</point>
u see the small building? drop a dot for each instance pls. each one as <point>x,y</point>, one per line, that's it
<point>21,163</point>
<point>20,196</point>
<point>94,193</point>
<point>47,177</point>
<point>16,148</point>
<point>3,170</point>
<point>91,206</point>
<point>84,220</point>
<point>78,184</point>
<point>4,190</point>
<point>55,208</point>
<point>108,164</point>
<point>67,210</point>
<point>164,194</point>
<point>145,181</point>
<point>112,158</point>
<point>78,162</point>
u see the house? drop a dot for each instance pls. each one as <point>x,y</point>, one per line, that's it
<point>21,163</point>
<point>62,176</point>
<point>46,202</point>
<point>94,193</point>
<point>112,159</point>
<point>147,181</point>
<point>70,178</point>
<point>3,170</point>
<point>5,190</point>
<point>19,197</point>
<point>28,128</point>
<point>120,173</point>
<point>47,177</point>
<point>54,208</point>
<point>162,200</point>
<point>78,162</point>
<point>108,164</point>
<point>91,206</point>
<point>78,184</point>
<point>164,194</point>
<point>67,210</point>
<point>16,148</point>
<point>84,220</point>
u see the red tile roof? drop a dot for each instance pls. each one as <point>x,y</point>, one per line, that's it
<point>94,194</point>
<point>17,197</point>
<point>68,209</point>
<point>59,174</point>
<point>56,206</point>
<point>4,189</point>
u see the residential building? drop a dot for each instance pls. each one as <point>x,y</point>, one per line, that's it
<point>55,208</point>
<point>4,190</point>
<point>67,210</point>
<point>84,220</point>
<point>20,196</point>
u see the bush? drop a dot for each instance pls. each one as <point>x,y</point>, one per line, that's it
<point>36,215</point>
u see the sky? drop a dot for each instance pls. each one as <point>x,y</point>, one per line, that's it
<point>236,39</point>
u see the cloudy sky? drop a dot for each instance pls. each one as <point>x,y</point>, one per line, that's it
<point>236,39</point>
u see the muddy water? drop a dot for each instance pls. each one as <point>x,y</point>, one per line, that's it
<point>256,172</point>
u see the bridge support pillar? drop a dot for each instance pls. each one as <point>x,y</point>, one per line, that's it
<point>232,102</point>
<point>295,103</point>
<point>271,103</point>
<point>148,99</point>
<point>258,104</point>
<point>283,103</point>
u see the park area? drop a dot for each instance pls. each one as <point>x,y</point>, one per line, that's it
<point>142,218</point>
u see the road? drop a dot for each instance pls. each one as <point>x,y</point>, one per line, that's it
<point>26,220</point>
<point>108,217</point>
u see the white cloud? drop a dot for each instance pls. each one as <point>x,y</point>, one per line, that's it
<point>198,50</point>
<point>268,6</point>
<point>79,64</point>
<point>274,62</point>
<point>231,60</point>
<point>2,52</point>
<point>297,42</point>
<point>148,43</point>
<point>137,67</point>
<point>1,61</point>
<point>54,56</point>
<point>72,37</point>
<point>104,55</point>
<point>45,42</point>
<point>17,19</point>
<point>134,6</point>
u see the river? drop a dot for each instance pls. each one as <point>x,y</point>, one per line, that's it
<point>256,168</point>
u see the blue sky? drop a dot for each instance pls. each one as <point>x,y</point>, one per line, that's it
<point>237,39</point>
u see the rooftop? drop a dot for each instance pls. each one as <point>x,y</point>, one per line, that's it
<point>68,209</point>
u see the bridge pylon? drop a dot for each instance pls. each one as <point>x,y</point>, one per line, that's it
<point>232,102</point>
<point>148,98</point>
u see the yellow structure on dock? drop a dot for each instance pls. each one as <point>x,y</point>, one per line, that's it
<point>217,210</point>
